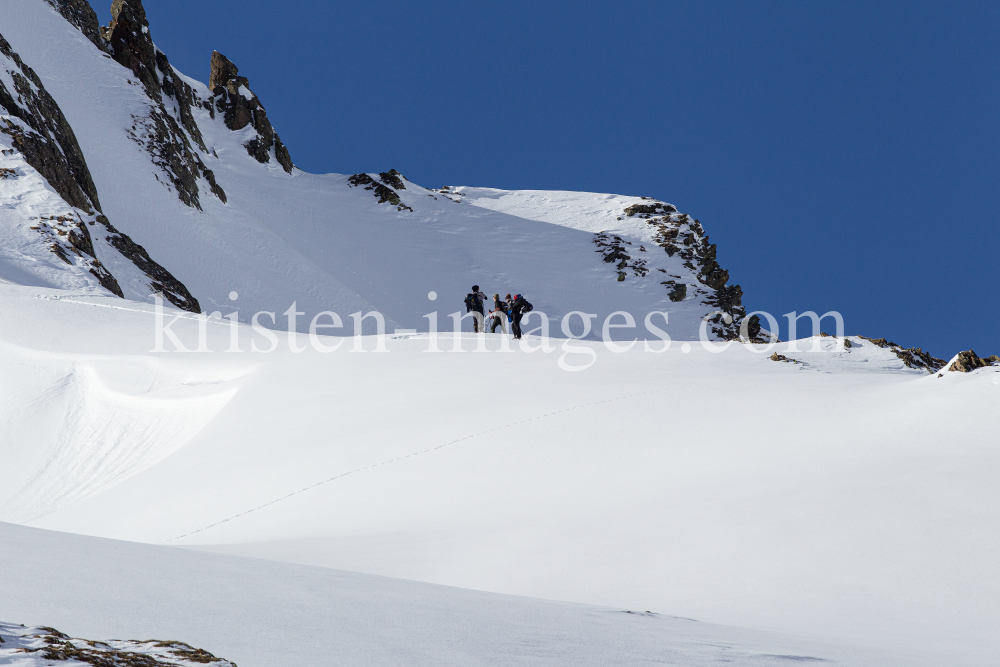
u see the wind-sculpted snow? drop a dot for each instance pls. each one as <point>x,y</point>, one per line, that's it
<point>96,437</point>
<point>707,482</point>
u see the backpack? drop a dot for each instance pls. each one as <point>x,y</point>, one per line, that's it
<point>472,302</point>
<point>525,306</point>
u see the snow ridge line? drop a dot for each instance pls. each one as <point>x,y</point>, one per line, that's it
<point>424,451</point>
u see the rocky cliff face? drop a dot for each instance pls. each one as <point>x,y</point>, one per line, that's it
<point>39,134</point>
<point>680,234</point>
<point>169,131</point>
<point>239,107</point>
<point>160,132</point>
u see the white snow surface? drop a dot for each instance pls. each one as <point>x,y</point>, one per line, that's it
<point>845,499</point>
<point>265,614</point>
<point>313,240</point>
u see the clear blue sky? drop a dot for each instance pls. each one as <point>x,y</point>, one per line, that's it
<point>843,155</point>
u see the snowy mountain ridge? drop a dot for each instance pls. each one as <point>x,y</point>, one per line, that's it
<point>198,176</point>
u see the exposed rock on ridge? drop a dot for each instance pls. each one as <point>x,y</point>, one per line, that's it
<point>912,357</point>
<point>50,145</point>
<point>391,181</point>
<point>130,44</point>
<point>240,107</point>
<point>40,133</point>
<point>83,16</point>
<point>679,234</point>
<point>968,361</point>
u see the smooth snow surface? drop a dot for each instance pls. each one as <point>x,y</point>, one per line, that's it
<point>830,499</point>
<point>265,614</point>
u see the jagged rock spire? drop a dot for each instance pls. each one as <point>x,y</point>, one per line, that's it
<point>240,107</point>
<point>130,43</point>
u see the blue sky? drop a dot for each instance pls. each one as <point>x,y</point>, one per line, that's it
<point>844,156</point>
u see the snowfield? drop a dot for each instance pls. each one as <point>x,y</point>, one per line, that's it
<point>287,497</point>
<point>828,499</point>
<point>265,614</point>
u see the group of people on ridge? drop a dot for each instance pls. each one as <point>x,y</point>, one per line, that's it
<point>510,308</point>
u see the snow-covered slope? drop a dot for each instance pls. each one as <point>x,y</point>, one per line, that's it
<point>158,143</point>
<point>266,614</point>
<point>814,498</point>
<point>52,232</point>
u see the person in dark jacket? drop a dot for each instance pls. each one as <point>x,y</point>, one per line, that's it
<point>474,304</point>
<point>518,307</point>
<point>498,315</point>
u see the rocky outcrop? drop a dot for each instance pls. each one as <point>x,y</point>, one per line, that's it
<point>393,179</point>
<point>40,133</point>
<point>386,190</point>
<point>968,361</point>
<point>613,251</point>
<point>161,280</point>
<point>912,357</point>
<point>180,166</point>
<point>83,16</point>
<point>680,235</point>
<point>48,142</point>
<point>129,42</point>
<point>29,646</point>
<point>232,97</point>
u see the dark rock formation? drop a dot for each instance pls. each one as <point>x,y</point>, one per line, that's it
<point>176,88</point>
<point>68,234</point>
<point>232,97</point>
<point>647,210</point>
<point>384,193</point>
<point>613,251</point>
<point>130,43</point>
<point>393,179</point>
<point>43,136</point>
<point>679,234</point>
<point>969,361</point>
<point>48,142</point>
<point>912,357</point>
<point>161,136</point>
<point>49,646</point>
<point>678,291</point>
<point>83,16</point>
<point>161,280</point>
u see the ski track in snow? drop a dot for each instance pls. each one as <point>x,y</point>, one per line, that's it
<point>423,451</point>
